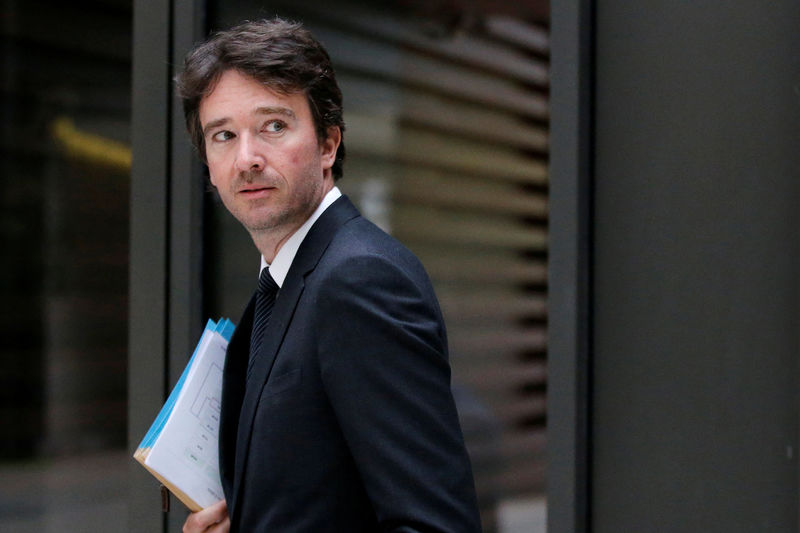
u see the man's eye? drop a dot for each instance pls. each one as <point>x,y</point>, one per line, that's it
<point>275,126</point>
<point>224,135</point>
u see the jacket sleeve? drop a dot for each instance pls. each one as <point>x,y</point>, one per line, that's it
<point>383,357</point>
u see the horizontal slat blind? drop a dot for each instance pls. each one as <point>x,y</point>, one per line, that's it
<point>455,132</point>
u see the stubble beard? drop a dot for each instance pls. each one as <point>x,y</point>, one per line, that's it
<point>285,215</point>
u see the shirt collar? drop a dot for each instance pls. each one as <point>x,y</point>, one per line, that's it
<point>285,256</point>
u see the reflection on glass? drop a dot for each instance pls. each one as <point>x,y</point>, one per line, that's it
<point>64,233</point>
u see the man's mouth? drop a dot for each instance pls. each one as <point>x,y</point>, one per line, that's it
<point>252,191</point>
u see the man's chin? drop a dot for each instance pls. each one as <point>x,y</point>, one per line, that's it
<point>264,224</point>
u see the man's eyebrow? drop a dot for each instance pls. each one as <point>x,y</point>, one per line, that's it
<point>214,124</point>
<point>277,110</point>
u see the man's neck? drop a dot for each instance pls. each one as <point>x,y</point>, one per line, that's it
<point>282,262</point>
<point>269,243</point>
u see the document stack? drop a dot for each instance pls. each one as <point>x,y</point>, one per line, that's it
<point>181,447</point>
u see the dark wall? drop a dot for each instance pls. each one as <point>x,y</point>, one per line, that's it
<point>696,266</point>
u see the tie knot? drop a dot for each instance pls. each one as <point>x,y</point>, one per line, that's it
<point>266,285</point>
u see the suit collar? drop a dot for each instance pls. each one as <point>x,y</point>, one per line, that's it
<point>308,255</point>
<point>285,256</point>
<point>319,237</point>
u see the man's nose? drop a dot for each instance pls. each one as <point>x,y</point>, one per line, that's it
<point>249,156</point>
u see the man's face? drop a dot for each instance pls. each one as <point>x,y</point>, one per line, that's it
<point>263,155</point>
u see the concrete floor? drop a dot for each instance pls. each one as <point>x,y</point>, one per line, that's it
<point>74,495</point>
<point>88,494</point>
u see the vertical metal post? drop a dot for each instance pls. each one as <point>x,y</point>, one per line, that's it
<point>186,217</point>
<point>166,236</point>
<point>186,205</point>
<point>147,336</point>
<point>569,283</point>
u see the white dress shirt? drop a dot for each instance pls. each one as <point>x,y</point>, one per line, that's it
<point>283,259</point>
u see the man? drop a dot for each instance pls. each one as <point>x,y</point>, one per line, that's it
<point>337,413</point>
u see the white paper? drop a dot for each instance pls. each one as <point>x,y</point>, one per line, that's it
<point>186,452</point>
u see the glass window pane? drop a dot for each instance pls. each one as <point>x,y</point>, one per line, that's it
<point>64,233</point>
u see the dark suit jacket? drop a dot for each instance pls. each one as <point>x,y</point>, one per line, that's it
<point>346,422</point>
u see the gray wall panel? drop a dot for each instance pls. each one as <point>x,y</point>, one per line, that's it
<point>696,267</point>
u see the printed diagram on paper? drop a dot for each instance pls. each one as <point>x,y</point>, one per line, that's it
<point>202,451</point>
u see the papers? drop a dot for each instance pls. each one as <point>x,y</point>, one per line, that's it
<point>181,447</point>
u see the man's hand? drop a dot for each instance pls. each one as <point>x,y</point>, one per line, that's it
<point>212,519</point>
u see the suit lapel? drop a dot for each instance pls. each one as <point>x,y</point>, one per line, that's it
<point>232,393</point>
<point>308,255</point>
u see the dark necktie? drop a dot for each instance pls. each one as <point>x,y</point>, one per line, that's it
<point>265,299</point>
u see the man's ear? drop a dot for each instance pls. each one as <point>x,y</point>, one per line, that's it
<point>329,146</point>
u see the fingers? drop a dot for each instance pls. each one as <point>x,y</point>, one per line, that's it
<point>213,519</point>
<point>215,513</point>
<point>222,527</point>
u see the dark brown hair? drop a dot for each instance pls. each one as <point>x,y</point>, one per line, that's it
<point>281,55</point>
